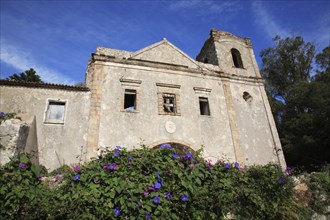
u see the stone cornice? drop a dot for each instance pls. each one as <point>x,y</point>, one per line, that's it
<point>173,67</point>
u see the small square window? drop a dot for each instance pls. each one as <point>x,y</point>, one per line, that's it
<point>55,112</point>
<point>169,103</point>
<point>204,106</point>
<point>130,99</point>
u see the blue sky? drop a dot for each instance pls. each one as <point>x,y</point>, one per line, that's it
<point>56,38</point>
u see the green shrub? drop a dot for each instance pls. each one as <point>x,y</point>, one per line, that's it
<point>162,183</point>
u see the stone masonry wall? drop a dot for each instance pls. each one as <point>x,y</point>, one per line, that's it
<point>13,138</point>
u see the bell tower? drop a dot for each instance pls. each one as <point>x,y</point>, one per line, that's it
<point>233,54</point>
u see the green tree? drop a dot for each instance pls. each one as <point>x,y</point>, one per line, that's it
<point>26,76</point>
<point>286,64</point>
<point>323,62</point>
<point>300,103</point>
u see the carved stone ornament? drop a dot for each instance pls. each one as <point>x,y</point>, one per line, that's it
<point>170,127</point>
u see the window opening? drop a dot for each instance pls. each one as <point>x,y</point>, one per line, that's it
<point>247,97</point>
<point>130,99</point>
<point>236,55</point>
<point>169,103</point>
<point>55,112</point>
<point>204,106</point>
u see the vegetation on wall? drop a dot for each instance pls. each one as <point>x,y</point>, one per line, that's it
<point>161,183</point>
<point>300,102</point>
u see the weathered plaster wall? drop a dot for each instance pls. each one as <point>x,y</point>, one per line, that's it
<point>253,129</point>
<point>58,144</point>
<point>128,128</point>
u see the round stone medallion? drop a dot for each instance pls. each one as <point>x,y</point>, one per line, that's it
<point>170,127</point>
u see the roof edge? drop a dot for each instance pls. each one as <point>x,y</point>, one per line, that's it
<point>4,82</point>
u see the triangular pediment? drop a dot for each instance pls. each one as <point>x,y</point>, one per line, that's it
<point>165,52</point>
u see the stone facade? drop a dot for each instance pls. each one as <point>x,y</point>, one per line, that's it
<point>158,95</point>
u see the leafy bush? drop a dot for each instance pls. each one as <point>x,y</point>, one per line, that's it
<point>162,183</point>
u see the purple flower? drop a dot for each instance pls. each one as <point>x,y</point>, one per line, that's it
<point>96,181</point>
<point>157,199</point>
<point>76,177</point>
<point>158,185</point>
<point>22,165</point>
<point>151,187</point>
<point>189,155</point>
<point>118,147</point>
<point>163,146</point>
<point>237,165</point>
<point>39,177</point>
<point>227,165</point>
<point>167,195</point>
<point>113,166</point>
<point>281,180</point>
<point>115,154</point>
<point>130,159</point>
<point>288,170</point>
<point>191,166</point>
<point>185,148</point>
<point>183,159</point>
<point>116,211</point>
<point>148,215</point>
<point>2,114</point>
<point>146,193</point>
<point>76,168</point>
<point>174,155</point>
<point>184,198</point>
<point>106,166</point>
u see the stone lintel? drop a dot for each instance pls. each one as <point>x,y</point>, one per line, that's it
<point>168,85</point>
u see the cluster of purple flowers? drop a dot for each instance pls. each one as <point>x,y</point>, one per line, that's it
<point>110,167</point>
<point>2,114</point>
<point>236,165</point>
<point>163,146</point>
<point>188,156</point>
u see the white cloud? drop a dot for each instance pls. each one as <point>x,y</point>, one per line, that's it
<point>202,7</point>
<point>22,60</point>
<point>265,20</point>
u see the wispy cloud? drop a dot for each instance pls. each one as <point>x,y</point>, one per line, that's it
<point>265,20</point>
<point>202,7</point>
<point>22,60</point>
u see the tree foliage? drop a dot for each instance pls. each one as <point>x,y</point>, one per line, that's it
<point>288,63</point>
<point>300,103</point>
<point>26,76</point>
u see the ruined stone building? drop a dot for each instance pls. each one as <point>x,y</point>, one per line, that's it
<point>152,96</point>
